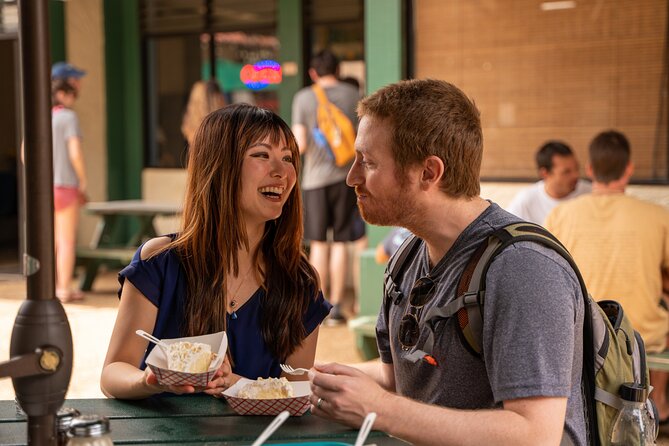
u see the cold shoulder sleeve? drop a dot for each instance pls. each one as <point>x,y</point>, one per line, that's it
<point>317,311</point>
<point>157,277</point>
<point>162,280</point>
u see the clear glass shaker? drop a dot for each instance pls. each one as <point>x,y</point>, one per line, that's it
<point>89,430</point>
<point>64,419</point>
<point>633,425</point>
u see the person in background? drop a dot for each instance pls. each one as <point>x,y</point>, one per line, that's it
<point>328,202</point>
<point>418,160</point>
<point>621,246</point>
<point>390,243</point>
<point>558,169</point>
<point>63,71</point>
<point>236,265</point>
<point>69,186</point>
<point>204,98</point>
<point>352,81</point>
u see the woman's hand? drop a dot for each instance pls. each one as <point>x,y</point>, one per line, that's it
<point>151,383</point>
<point>223,379</point>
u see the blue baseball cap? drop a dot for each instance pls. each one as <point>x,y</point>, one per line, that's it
<point>64,70</point>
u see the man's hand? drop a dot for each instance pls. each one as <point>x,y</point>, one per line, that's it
<point>344,394</point>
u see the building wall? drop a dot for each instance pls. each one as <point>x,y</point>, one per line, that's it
<point>562,74</point>
<point>85,49</point>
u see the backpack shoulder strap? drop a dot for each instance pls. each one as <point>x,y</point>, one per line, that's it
<point>320,94</point>
<point>471,297</point>
<point>472,285</point>
<point>392,295</point>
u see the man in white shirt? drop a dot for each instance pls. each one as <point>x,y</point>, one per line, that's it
<point>558,169</point>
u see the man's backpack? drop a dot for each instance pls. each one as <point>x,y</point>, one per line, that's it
<point>334,130</point>
<point>613,353</point>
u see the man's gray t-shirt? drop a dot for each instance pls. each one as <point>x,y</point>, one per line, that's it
<point>319,168</point>
<point>532,329</point>
<point>65,125</point>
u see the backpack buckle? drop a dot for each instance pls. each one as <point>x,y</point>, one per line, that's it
<point>396,296</point>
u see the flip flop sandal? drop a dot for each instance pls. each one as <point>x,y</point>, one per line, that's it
<point>67,296</point>
<point>76,295</point>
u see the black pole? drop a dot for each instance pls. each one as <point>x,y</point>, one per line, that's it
<point>41,339</point>
<point>208,20</point>
<point>36,69</point>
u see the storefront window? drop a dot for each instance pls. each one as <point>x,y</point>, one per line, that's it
<point>340,28</point>
<point>181,40</point>
<point>9,18</point>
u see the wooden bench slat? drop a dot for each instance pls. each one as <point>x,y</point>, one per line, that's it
<point>124,254</point>
<point>658,361</point>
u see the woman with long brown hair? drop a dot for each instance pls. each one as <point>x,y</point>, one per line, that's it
<point>236,265</point>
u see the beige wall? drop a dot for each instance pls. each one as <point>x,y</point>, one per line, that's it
<point>566,74</point>
<point>85,49</point>
<point>164,185</point>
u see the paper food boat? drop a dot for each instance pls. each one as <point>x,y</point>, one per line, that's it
<point>314,443</point>
<point>297,405</point>
<point>157,361</point>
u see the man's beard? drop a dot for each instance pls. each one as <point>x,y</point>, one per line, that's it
<point>387,212</point>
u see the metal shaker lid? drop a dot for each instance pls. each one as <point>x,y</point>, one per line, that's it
<point>65,416</point>
<point>89,426</point>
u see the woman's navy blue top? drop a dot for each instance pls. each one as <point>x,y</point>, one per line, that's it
<point>162,280</point>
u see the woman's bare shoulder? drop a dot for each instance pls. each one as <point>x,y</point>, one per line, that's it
<point>154,245</point>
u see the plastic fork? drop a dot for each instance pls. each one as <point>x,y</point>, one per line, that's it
<point>151,338</point>
<point>269,430</point>
<point>365,428</point>
<point>291,371</point>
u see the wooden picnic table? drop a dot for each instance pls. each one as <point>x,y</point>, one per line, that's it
<point>104,247</point>
<point>196,419</point>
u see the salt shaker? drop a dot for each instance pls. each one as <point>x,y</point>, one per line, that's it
<point>64,419</point>
<point>89,430</point>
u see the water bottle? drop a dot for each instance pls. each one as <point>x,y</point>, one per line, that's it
<point>90,430</point>
<point>633,425</point>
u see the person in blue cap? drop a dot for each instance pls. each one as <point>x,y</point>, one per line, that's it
<point>69,175</point>
<point>67,72</point>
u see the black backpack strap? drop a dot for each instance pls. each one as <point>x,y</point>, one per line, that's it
<point>392,295</point>
<point>468,305</point>
<point>507,235</point>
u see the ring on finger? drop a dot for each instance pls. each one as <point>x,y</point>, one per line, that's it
<point>319,402</point>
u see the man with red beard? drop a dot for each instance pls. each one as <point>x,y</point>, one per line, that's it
<point>419,150</point>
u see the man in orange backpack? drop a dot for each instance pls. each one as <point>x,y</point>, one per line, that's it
<point>329,204</point>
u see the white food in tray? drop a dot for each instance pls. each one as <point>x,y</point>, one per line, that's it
<point>190,357</point>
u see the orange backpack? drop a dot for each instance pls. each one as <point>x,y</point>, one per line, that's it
<point>334,131</point>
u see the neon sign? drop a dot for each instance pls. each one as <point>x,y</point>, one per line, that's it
<point>261,74</point>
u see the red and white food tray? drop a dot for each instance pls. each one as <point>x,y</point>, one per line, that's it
<point>297,405</point>
<point>157,361</point>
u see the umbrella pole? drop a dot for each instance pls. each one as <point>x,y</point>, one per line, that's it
<point>41,344</point>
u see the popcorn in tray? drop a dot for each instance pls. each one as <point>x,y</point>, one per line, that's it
<point>189,361</point>
<point>269,396</point>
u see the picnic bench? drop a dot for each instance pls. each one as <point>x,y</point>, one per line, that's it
<point>370,295</point>
<point>104,248</point>
<point>192,420</point>
<point>658,361</point>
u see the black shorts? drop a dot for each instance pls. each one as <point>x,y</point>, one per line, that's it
<point>334,206</point>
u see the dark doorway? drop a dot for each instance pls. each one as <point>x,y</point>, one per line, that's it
<point>9,149</point>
